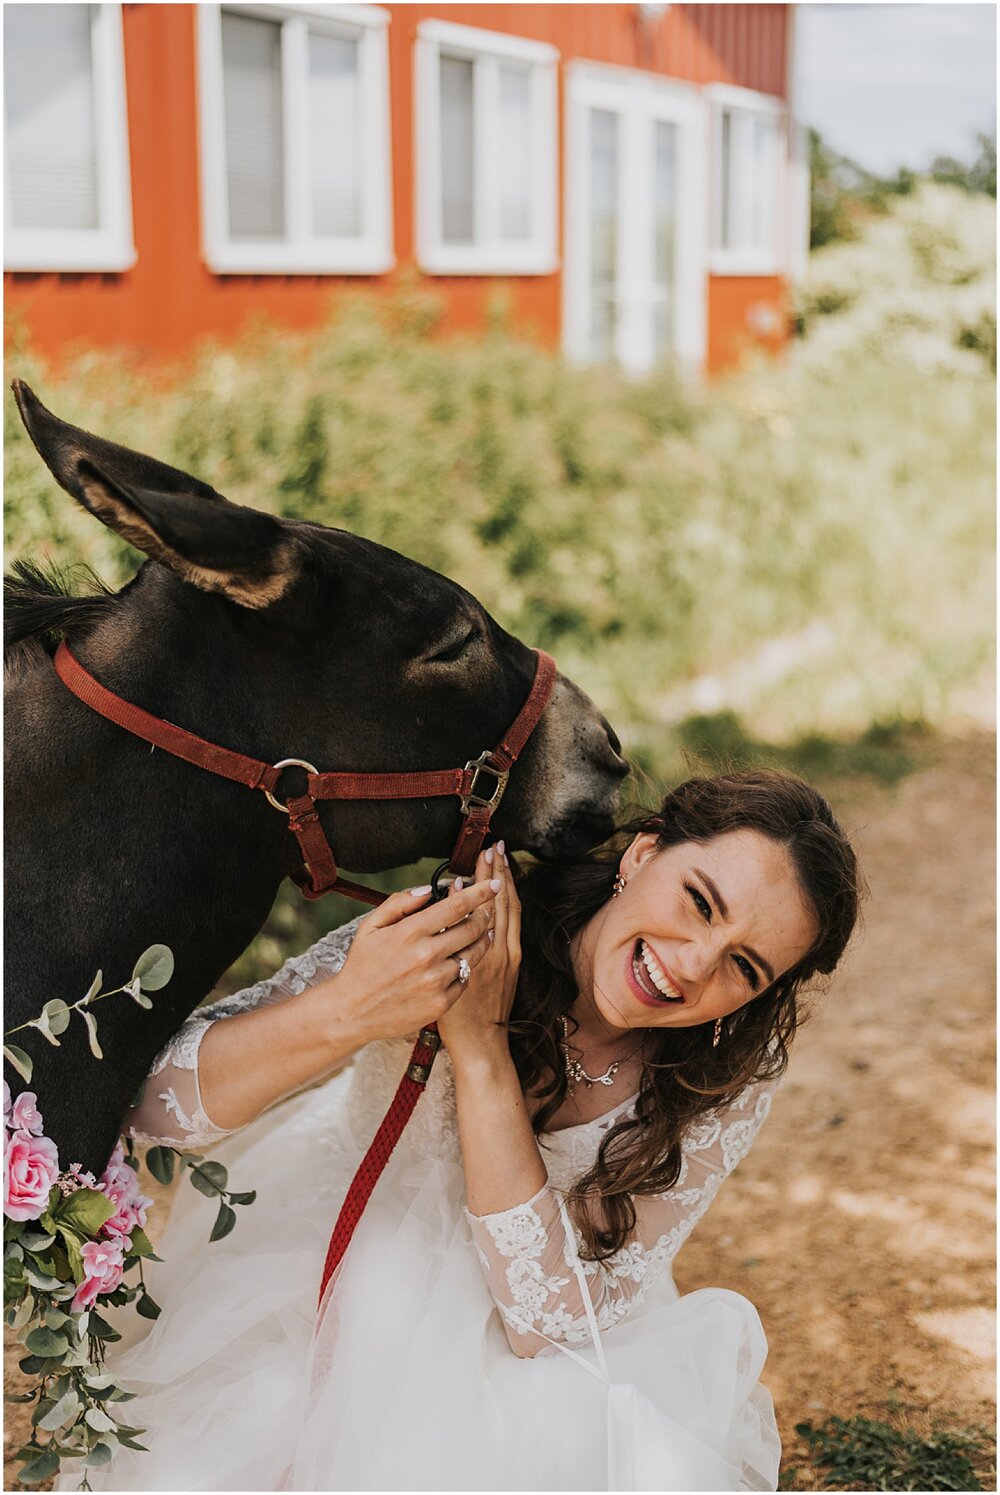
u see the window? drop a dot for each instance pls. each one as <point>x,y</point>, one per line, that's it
<point>67,202</point>
<point>636,219</point>
<point>486,152</point>
<point>295,139</point>
<point>749,132</point>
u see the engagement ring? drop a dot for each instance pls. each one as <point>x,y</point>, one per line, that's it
<point>464,969</point>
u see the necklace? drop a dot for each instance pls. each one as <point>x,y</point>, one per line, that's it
<point>575,1071</point>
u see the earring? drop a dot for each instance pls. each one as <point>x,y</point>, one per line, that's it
<point>619,885</point>
<point>717,1034</point>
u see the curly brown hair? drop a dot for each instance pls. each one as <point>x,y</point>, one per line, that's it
<point>683,1076</point>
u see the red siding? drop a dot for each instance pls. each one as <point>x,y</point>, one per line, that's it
<point>169,300</point>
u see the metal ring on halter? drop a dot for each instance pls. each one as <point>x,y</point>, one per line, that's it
<point>464,970</point>
<point>287,763</point>
<point>437,891</point>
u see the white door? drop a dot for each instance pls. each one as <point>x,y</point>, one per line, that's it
<point>636,219</point>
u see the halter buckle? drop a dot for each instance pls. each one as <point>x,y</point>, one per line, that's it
<point>479,765</point>
<point>287,763</point>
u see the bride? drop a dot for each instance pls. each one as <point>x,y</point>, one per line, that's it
<point>505,1316</point>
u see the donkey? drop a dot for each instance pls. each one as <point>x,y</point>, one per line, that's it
<point>277,638</point>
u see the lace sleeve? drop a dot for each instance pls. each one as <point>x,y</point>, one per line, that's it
<point>170,1110</point>
<point>528,1257</point>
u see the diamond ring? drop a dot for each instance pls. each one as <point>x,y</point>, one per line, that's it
<point>464,969</point>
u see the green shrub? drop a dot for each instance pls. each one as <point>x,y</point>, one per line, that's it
<point>861,1454</point>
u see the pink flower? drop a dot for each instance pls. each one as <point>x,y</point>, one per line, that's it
<point>121,1185</point>
<point>31,1167</point>
<point>25,1115</point>
<point>102,1268</point>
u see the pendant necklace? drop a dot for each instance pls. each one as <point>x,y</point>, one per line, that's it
<point>575,1071</point>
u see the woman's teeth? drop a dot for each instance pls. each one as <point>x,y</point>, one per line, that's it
<point>650,976</point>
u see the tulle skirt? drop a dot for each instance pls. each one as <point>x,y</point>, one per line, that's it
<point>405,1379</point>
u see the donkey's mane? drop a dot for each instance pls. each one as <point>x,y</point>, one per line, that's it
<point>40,608</point>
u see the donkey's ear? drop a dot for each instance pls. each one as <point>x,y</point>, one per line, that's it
<point>184,524</point>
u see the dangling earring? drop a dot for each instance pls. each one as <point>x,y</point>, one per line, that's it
<point>717,1034</point>
<point>619,885</point>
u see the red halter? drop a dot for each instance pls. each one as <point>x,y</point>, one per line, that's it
<point>322,876</point>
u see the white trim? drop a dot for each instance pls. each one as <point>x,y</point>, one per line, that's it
<point>639,100</point>
<point>743,106</point>
<point>489,254</point>
<point>299,251</point>
<point>110,247</point>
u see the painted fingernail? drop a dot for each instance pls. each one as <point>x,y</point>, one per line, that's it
<point>491,935</point>
<point>488,853</point>
<point>420,892</point>
<point>500,847</point>
<point>458,884</point>
<point>496,884</point>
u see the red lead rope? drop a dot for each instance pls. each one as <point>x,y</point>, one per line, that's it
<point>317,855</point>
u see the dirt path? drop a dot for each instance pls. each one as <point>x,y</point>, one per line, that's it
<point>861,1225</point>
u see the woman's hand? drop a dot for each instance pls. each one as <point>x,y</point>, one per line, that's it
<point>401,971</point>
<point>474,1027</point>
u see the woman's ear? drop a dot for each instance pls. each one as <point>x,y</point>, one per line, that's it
<point>638,851</point>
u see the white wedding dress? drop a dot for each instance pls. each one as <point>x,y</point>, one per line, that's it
<point>407,1379</point>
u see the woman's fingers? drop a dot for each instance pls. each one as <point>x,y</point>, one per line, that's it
<point>473,953</point>
<point>452,910</point>
<point>456,937</point>
<point>398,906</point>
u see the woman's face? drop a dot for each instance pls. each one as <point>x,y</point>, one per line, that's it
<point>699,931</point>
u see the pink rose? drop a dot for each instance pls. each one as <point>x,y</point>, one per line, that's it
<point>25,1115</point>
<point>102,1268</point>
<point>31,1167</point>
<point>121,1185</point>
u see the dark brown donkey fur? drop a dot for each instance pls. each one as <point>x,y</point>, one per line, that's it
<point>278,639</point>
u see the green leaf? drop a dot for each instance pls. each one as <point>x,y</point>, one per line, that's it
<point>55,1318</point>
<point>46,1342</point>
<point>36,1240</point>
<point>57,1013</point>
<point>38,1365</point>
<point>99,1328</point>
<point>160,1162</point>
<point>99,1455</point>
<point>93,988</point>
<point>141,1244</point>
<point>224,1222</point>
<point>64,1410</point>
<point>209,1178</point>
<point>43,1409</point>
<point>74,1260</point>
<point>40,1279</point>
<point>19,1059</point>
<point>99,1421</point>
<point>91,1022</point>
<point>146,1308</point>
<point>131,1443</point>
<point>84,1212</point>
<point>243,1198</point>
<point>39,1469</point>
<point>118,1395</point>
<point>154,967</point>
<point>17,1396</point>
<point>42,1024</point>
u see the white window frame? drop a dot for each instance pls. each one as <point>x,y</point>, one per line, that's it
<point>298,252</point>
<point>747,104</point>
<point>637,97</point>
<point>110,246</point>
<point>489,254</point>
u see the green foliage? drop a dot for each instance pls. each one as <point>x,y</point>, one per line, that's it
<point>980,176</point>
<point>861,1454</point>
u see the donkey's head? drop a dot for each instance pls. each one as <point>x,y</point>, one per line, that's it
<point>286,639</point>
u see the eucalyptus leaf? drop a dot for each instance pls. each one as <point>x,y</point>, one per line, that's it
<point>25,1313</point>
<point>42,1024</point>
<point>57,1014</point>
<point>65,1408</point>
<point>93,988</point>
<point>55,1318</point>
<point>143,1001</point>
<point>146,1308</point>
<point>36,1240</point>
<point>224,1222</point>
<point>160,1162</point>
<point>43,1409</point>
<point>46,1342</point>
<point>154,967</point>
<point>243,1198</point>
<point>16,1396</point>
<point>99,1328</point>
<point>19,1059</point>
<point>99,1455</point>
<point>39,1469</point>
<point>209,1178</point>
<point>102,1382</point>
<point>99,1421</point>
<point>40,1279</point>
<point>131,1443</point>
<point>91,1021</point>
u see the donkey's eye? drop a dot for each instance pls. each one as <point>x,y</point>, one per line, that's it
<point>455,650</point>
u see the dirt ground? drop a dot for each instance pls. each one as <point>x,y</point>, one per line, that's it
<point>861,1225</point>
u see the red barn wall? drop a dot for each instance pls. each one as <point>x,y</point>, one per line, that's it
<point>169,300</point>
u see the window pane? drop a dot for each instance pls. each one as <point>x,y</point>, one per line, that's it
<point>334,136</point>
<point>664,234</point>
<point>764,184</point>
<point>251,65</point>
<point>51,142</point>
<point>457,151</point>
<point>514,137</point>
<point>726,182</point>
<point>603,171</point>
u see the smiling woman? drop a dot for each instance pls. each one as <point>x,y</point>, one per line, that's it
<point>586,1110</point>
